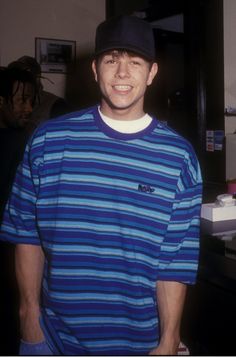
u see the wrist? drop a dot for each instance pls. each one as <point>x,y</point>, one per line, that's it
<point>170,337</point>
<point>170,342</point>
<point>32,309</point>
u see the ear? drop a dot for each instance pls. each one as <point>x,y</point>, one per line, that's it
<point>152,73</point>
<point>94,68</point>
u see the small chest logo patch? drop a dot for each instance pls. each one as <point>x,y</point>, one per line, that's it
<point>146,188</point>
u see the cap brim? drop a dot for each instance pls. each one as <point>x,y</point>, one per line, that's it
<point>128,48</point>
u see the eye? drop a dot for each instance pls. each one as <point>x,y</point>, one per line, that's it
<point>135,63</point>
<point>110,61</point>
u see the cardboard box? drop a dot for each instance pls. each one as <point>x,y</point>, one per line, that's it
<point>213,212</point>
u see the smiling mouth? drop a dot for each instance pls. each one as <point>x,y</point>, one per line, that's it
<point>122,88</point>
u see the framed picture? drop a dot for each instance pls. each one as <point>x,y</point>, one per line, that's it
<point>55,56</point>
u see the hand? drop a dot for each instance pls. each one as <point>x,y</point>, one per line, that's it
<point>30,328</point>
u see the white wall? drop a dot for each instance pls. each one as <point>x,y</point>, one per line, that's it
<point>230,61</point>
<point>23,20</point>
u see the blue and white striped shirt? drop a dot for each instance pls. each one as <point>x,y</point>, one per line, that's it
<point>114,213</point>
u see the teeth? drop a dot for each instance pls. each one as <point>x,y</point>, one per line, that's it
<point>122,87</point>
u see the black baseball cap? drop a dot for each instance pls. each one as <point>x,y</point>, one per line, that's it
<point>125,32</point>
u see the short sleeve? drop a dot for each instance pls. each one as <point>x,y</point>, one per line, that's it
<point>180,248</point>
<point>19,220</point>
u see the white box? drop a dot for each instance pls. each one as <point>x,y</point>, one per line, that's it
<point>213,212</point>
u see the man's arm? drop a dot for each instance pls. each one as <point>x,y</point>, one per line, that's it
<point>170,299</point>
<point>29,262</point>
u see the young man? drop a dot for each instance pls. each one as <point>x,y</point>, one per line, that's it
<point>106,209</point>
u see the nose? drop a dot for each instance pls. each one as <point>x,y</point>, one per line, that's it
<point>122,70</point>
<point>28,107</point>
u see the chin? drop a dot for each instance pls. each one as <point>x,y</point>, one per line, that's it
<point>121,106</point>
<point>23,123</point>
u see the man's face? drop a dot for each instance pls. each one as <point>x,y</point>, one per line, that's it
<point>19,109</point>
<point>123,79</point>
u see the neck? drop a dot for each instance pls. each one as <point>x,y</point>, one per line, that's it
<point>123,113</point>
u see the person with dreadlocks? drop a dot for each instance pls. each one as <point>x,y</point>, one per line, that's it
<point>47,105</point>
<point>18,92</point>
<point>17,97</point>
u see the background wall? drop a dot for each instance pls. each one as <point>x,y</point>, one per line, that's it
<point>23,20</point>
<point>230,62</point>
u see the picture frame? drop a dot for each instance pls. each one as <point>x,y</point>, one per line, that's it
<point>54,55</point>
